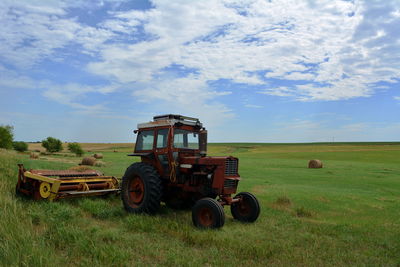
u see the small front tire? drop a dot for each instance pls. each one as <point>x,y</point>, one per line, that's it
<point>246,210</point>
<point>208,213</point>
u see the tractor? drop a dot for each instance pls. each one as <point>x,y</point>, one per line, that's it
<point>174,168</point>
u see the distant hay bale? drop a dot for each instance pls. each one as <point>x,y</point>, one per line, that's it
<point>34,155</point>
<point>98,156</point>
<point>314,164</point>
<point>88,161</point>
<point>80,168</point>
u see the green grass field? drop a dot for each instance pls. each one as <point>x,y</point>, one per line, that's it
<point>347,213</point>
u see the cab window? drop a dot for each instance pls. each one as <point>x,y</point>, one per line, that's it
<point>186,139</point>
<point>162,138</point>
<point>145,140</point>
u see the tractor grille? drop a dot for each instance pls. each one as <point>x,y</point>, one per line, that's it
<point>230,183</point>
<point>231,167</point>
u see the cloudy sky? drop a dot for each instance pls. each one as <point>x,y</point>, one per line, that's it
<point>252,71</point>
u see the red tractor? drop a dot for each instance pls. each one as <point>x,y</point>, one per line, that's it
<point>174,169</point>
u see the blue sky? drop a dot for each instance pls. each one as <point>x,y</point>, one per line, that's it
<point>252,71</point>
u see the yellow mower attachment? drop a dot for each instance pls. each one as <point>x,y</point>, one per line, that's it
<point>51,185</point>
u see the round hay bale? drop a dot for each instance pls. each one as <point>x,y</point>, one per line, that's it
<point>98,156</point>
<point>314,164</point>
<point>88,161</point>
<point>34,155</point>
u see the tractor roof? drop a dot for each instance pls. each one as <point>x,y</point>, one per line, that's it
<point>171,120</point>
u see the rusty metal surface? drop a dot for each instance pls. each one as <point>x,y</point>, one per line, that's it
<point>188,175</point>
<point>204,174</point>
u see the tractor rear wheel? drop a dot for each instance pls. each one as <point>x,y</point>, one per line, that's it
<point>246,210</point>
<point>208,213</point>
<point>141,189</point>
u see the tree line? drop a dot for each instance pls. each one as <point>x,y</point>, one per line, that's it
<point>51,144</point>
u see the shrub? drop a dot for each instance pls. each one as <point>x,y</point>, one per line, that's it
<point>6,136</point>
<point>52,144</point>
<point>20,146</point>
<point>75,148</point>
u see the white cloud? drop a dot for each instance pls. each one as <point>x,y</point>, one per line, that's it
<point>278,91</point>
<point>12,80</point>
<point>69,94</point>
<point>188,95</point>
<point>32,31</point>
<point>397,98</point>
<point>327,50</point>
<point>252,106</point>
<point>185,91</point>
<point>299,76</point>
<point>311,42</point>
<point>121,26</point>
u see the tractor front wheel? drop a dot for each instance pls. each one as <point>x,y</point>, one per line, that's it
<point>247,209</point>
<point>208,213</point>
<point>141,189</point>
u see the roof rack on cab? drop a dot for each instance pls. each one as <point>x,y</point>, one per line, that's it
<point>174,116</point>
<point>171,119</point>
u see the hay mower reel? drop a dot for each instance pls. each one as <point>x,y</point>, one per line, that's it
<point>56,184</point>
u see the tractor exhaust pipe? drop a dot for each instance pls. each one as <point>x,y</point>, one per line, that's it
<point>203,142</point>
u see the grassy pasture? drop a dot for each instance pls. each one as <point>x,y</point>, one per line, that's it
<point>346,213</point>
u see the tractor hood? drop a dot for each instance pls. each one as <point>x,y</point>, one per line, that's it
<point>196,160</point>
<point>227,166</point>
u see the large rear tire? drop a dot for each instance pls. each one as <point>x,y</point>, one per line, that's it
<point>141,189</point>
<point>247,210</point>
<point>208,213</point>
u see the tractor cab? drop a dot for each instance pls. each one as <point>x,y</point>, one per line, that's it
<point>169,138</point>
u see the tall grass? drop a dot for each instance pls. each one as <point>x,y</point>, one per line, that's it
<point>344,214</point>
